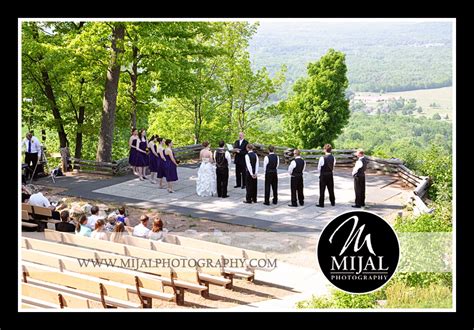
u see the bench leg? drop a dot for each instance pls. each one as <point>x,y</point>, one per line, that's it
<point>251,279</point>
<point>179,296</point>
<point>205,293</point>
<point>231,278</point>
<point>147,302</point>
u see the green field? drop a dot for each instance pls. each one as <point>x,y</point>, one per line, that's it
<point>424,98</point>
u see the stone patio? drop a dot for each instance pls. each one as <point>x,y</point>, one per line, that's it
<point>384,196</point>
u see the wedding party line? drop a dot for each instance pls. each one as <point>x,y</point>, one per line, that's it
<point>156,155</point>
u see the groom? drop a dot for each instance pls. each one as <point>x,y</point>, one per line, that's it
<point>222,158</point>
<point>240,147</point>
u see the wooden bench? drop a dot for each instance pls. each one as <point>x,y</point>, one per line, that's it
<point>29,224</point>
<point>62,299</point>
<point>37,303</point>
<point>157,278</point>
<point>188,252</point>
<point>146,285</point>
<point>96,299</point>
<point>27,207</point>
<point>120,292</point>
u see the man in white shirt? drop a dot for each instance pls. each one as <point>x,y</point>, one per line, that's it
<point>92,219</point>
<point>270,168</point>
<point>358,172</point>
<point>240,147</point>
<point>38,199</point>
<point>251,162</point>
<point>296,169</point>
<point>141,229</point>
<point>32,148</point>
<point>325,168</point>
<point>223,160</point>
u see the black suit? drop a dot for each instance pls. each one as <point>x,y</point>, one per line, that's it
<point>239,160</point>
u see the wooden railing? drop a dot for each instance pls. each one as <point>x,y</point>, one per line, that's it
<point>90,166</point>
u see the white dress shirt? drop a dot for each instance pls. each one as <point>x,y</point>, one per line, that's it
<point>91,220</point>
<point>249,166</point>
<point>265,162</point>
<point>35,145</point>
<point>140,230</point>
<point>226,155</point>
<point>321,163</point>
<point>293,165</point>
<point>39,200</point>
<point>358,165</point>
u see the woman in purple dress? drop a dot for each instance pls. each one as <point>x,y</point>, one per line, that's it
<point>171,165</point>
<point>133,143</point>
<point>153,157</point>
<point>142,157</point>
<point>161,160</point>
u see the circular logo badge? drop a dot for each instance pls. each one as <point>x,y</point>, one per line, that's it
<point>358,252</point>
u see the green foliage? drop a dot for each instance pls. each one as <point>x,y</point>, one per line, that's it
<point>388,56</point>
<point>423,279</point>
<point>438,221</point>
<point>318,110</point>
<point>340,299</point>
<point>390,135</point>
<point>400,295</point>
<point>436,116</point>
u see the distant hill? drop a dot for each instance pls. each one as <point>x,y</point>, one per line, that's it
<point>380,55</point>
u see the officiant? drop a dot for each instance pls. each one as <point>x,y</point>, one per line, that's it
<point>240,149</point>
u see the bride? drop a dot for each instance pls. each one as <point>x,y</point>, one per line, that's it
<point>206,183</point>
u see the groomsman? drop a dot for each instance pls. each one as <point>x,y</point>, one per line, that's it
<point>251,161</point>
<point>270,167</point>
<point>358,173</point>
<point>325,167</point>
<point>296,169</point>
<point>240,146</point>
<point>222,158</point>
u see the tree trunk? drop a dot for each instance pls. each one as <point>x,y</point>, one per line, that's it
<point>196,122</point>
<point>49,93</point>
<point>63,142</point>
<point>133,86</point>
<point>80,122</point>
<point>106,137</point>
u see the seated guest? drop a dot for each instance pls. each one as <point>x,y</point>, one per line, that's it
<point>65,225</point>
<point>81,228</point>
<point>99,232</point>
<point>118,233</point>
<point>91,220</point>
<point>157,233</point>
<point>38,199</point>
<point>141,229</point>
<point>121,217</point>
<point>111,221</point>
<point>25,193</point>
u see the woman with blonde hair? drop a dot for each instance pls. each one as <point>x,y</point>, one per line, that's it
<point>157,232</point>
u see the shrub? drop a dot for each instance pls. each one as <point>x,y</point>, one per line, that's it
<point>434,296</point>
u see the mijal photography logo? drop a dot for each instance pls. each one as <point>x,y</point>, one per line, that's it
<point>358,252</point>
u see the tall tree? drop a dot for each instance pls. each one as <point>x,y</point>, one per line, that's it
<point>37,65</point>
<point>104,148</point>
<point>318,110</point>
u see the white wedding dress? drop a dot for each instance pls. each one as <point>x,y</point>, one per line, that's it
<point>206,182</point>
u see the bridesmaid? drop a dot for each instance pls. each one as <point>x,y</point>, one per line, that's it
<point>161,160</point>
<point>171,165</point>
<point>153,157</point>
<point>142,157</point>
<point>133,143</point>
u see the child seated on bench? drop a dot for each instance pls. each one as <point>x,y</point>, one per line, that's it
<point>81,228</point>
<point>121,216</point>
